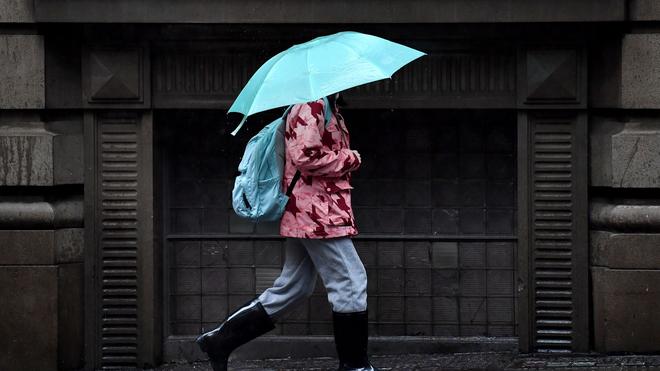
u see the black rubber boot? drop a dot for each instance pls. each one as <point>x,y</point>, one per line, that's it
<point>246,323</point>
<point>351,338</point>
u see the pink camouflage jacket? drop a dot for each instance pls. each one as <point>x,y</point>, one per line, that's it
<point>320,204</point>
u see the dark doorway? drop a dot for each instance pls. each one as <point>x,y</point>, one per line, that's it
<point>435,206</point>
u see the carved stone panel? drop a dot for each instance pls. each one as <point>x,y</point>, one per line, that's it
<point>551,76</point>
<point>115,76</point>
<point>468,77</point>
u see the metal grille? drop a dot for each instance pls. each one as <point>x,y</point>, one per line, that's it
<point>118,240</point>
<point>435,206</point>
<point>553,242</point>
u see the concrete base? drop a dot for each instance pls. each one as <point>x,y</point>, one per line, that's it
<point>184,347</point>
<point>29,318</point>
<point>626,303</point>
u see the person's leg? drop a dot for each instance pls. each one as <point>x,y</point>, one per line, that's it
<point>295,284</point>
<point>345,279</point>
<point>259,315</point>
<point>342,272</point>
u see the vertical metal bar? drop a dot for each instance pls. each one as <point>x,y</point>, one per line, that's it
<point>91,288</point>
<point>522,285</point>
<point>581,236</point>
<point>147,308</point>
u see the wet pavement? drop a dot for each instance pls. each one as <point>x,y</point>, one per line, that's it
<point>450,362</point>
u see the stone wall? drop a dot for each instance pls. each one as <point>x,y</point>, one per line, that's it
<point>625,189</point>
<point>41,235</point>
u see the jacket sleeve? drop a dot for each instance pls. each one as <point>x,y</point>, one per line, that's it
<point>308,151</point>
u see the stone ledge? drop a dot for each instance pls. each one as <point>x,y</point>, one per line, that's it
<point>624,217</point>
<point>28,214</point>
<point>329,11</point>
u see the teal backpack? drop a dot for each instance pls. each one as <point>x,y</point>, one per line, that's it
<point>257,193</point>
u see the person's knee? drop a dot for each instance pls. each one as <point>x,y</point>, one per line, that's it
<point>309,287</point>
<point>353,296</point>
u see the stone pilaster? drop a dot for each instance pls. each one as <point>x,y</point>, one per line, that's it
<point>41,234</point>
<point>625,184</point>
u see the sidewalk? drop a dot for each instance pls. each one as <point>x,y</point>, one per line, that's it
<point>449,362</point>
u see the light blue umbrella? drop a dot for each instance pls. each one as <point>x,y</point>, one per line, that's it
<point>318,68</point>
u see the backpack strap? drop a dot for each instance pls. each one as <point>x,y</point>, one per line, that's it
<point>327,115</point>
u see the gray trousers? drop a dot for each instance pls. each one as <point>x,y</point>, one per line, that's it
<point>339,266</point>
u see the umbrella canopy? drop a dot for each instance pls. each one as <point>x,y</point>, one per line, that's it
<point>321,67</point>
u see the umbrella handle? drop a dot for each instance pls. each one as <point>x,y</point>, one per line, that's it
<point>233,133</point>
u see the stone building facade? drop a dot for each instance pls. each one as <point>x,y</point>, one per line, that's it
<point>524,212</point>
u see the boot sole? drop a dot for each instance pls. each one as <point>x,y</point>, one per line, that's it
<point>201,342</point>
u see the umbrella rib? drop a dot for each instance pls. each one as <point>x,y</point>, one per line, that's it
<point>309,80</point>
<point>264,80</point>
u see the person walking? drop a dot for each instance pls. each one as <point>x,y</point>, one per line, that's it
<point>318,222</point>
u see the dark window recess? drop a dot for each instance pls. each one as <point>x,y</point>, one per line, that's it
<point>434,203</point>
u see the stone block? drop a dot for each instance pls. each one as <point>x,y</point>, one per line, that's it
<point>644,10</point>
<point>16,11</point>
<point>626,304</point>
<point>70,329</point>
<point>625,250</point>
<point>625,72</point>
<point>635,156</point>
<point>68,159</point>
<point>640,73</point>
<point>624,217</point>
<point>22,71</point>
<point>27,152</point>
<point>29,318</point>
<point>625,155</point>
<point>35,153</point>
<point>69,245</point>
<point>27,247</point>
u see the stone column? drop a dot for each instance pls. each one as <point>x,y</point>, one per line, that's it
<point>625,189</point>
<point>40,209</point>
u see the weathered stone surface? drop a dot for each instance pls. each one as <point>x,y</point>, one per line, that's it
<point>329,11</point>
<point>625,155</point>
<point>69,211</point>
<point>644,10</point>
<point>69,245</point>
<point>37,214</point>
<point>625,72</point>
<point>625,250</point>
<point>26,247</point>
<point>68,167</point>
<point>29,318</point>
<point>635,156</point>
<point>626,304</point>
<point>70,330</point>
<point>640,75</point>
<point>26,152</point>
<point>22,71</point>
<point>600,150</point>
<point>26,215</point>
<point>16,11</point>
<point>605,72</point>
<point>624,217</point>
